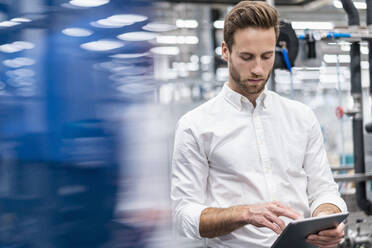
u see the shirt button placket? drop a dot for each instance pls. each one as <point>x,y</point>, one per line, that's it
<point>263,151</point>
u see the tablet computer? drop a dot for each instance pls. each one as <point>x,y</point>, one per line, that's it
<point>295,233</point>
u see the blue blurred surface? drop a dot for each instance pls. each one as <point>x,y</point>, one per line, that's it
<point>60,140</point>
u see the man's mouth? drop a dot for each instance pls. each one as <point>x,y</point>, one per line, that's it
<point>255,81</point>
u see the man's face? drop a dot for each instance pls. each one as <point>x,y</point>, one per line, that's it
<point>251,60</point>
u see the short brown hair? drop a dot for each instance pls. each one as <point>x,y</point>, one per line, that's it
<point>246,14</point>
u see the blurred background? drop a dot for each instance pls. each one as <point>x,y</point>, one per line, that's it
<point>91,90</point>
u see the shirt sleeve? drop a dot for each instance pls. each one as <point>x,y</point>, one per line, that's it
<point>188,180</point>
<point>321,186</point>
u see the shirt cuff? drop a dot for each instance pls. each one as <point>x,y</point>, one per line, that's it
<point>335,200</point>
<point>190,220</point>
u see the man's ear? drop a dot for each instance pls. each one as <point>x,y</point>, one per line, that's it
<point>225,51</point>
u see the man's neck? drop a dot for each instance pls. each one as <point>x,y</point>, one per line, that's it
<point>251,97</point>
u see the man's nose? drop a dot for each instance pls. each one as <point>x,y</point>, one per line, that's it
<point>257,68</point>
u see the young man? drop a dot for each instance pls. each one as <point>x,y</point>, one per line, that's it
<point>249,160</point>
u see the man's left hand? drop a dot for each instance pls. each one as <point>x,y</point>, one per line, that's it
<point>327,238</point>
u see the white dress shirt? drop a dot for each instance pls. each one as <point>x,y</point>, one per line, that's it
<point>229,153</point>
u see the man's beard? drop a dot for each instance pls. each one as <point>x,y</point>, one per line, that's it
<point>243,84</point>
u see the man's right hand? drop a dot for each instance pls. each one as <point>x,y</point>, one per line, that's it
<point>267,215</point>
<point>216,222</point>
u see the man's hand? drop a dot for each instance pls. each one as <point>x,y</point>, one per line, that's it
<point>216,222</point>
<point>267,215</point>
<point>327,238</point>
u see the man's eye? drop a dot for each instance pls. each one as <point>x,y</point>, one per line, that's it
<point>267,57</point>
<point>246,58</point>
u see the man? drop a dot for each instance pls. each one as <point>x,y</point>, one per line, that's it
<point>249,160</point>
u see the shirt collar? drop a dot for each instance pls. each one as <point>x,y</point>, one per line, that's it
<point>237,99</point>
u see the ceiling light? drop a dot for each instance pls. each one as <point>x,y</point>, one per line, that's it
<point>106,23</point>
<point>192,40</point>
<point>127,18</point>
<point>312,25</point>
<point>172,39</point>
<point>20,73</point>
<point>16,46</point>
<point>23,44</point>
<point>18,62</point>
<point>137,36</point>
<point>128,55</point>
<point>102,45</point>
<point>9,48</point>
<point>165,50</point>
<point>218,24</point>
<point>20,19</point>
<point>21,81</point>
<point>89,3</point>
<point>159,27</point>
<point>166,39</point>
<point>111,22</point>
<point>77,32</point>
<point>7,24</point>
<point>186,23</point>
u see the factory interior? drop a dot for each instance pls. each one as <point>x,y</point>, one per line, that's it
<point>86,154</point>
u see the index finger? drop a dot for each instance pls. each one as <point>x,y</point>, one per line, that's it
<point>283,210</point>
